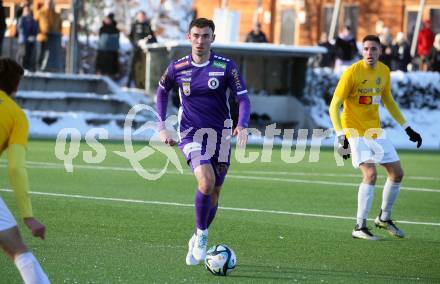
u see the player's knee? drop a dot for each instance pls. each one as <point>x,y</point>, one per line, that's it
<point>370,175</point>
<point>397,175</point>
<point>12,243</point>
<point>206,184</point>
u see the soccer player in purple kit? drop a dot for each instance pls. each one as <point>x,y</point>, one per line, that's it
<point>205,81</point>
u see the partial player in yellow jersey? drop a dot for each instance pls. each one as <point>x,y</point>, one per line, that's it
<point>13,140</point>
<point>360,90</point>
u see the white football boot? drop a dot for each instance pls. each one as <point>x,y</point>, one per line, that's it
<point>363,233</point>
<point>389,226</point>
<point>190,260</point>
<point>200,245</point>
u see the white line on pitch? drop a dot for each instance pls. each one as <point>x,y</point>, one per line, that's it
<point>231,175</point>
<point>77,196</point>
<point>243,171</point>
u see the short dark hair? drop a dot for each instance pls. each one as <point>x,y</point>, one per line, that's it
<point>10,75</point>
<point>374,38</point>
<point>201,23</point>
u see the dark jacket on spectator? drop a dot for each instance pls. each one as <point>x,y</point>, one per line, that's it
<point>346,48</point>
<point>2,17</point>
<point>433,59</point>
<point>27,29</point>
<point>252,37</point>
<point>140,31</point>
<point>401,57</point>
<point>387,55</point>
<point>107,58</point>
<point>108,38</point>
<point>327,59</point>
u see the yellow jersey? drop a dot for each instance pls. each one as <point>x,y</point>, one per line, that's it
<point>361,89</point>
<point>14,130</point>
<point>14,126</point>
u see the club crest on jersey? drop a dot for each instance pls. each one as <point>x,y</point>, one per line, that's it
<point>378,81</point>
<point>186,87</point>
<point>213,83</point>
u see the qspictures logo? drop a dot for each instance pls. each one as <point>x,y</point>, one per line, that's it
<point>292,151</point>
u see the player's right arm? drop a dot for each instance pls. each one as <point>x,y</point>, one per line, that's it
<point>342,91</point>
<point>165,84</point>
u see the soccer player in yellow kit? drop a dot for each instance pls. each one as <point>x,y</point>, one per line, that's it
<point>361,89</point>
<point>13,138</point>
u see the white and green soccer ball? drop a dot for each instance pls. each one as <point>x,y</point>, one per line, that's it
<point>220,260</point>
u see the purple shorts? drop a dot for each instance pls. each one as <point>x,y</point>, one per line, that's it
<point>216,153</point>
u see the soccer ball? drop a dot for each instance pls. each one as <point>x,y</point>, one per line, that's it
<point>220,260</point>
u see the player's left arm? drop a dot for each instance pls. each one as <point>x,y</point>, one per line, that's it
<point>19,178</point>
<point>20,185</point>
<point>238,88</point>
<point>391,105</point>
<point>18,174</point>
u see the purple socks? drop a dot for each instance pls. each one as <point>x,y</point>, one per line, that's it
<point>211,215</point>
<point>203,212</point>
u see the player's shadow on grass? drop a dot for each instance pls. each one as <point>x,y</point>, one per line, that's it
<point>272,272</point>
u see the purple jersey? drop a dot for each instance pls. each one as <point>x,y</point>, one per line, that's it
<point>203,91</point>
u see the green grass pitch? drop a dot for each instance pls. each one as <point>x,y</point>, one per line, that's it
<point>106,224</point>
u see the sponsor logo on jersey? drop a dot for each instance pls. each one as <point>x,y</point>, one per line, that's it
<point>185,72</point>
<point>216,73</point>
<point>184,79</point>
<point>186,88</point>
<point>213,83</point>
<point>368,100</point>
<point>365,100</point>
<point>181,64</point>
<point>219,64</point>
<point>364,81</point>
<point>234,73</point>
<point>366,91</point>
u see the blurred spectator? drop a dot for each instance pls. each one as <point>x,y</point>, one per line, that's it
<point>2,25</point>
<point>19,10</point>
<point>107,59</point>
<point>256,35</point>
<point>140,30</point>
<point>401,53</point>
<point>345,48</point>
<point>49,37</point>
<point>379,27</point>
<point>424,42</point>
<point>386,41</point>
<point>327,59</point>
<point>433,59</point>
<point>27,32</point>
